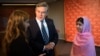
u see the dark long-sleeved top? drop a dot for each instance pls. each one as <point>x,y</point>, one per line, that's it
<point>19,47</point>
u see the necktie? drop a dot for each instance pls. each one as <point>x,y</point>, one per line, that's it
<point>44,33</point>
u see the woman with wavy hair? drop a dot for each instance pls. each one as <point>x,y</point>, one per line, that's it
<point>15,41</point>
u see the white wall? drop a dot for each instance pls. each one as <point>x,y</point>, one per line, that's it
<point>56,12</point>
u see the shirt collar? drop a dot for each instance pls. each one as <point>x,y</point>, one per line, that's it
<point>39,20</point>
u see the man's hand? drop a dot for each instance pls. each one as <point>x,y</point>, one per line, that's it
<point>49,46</point>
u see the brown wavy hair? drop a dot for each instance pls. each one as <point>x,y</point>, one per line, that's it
<point>14,28</point>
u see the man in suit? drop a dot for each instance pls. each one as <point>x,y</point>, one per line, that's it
<point>42,33</point>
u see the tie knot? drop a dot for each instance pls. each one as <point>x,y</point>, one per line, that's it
<point>41,21</point>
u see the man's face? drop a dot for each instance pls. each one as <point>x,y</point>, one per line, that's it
<point>41,12</point>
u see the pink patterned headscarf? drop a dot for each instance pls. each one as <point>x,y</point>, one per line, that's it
<point>83,44</point>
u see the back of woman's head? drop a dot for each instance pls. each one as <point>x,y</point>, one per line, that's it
<point>14,26</point>
<point>15,23</point>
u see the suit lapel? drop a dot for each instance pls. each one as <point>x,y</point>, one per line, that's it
<point>36,30</point>
<point>34,25</point>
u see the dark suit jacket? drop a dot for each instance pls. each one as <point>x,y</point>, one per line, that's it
<point>19,47</point>
<point>36,39</point>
